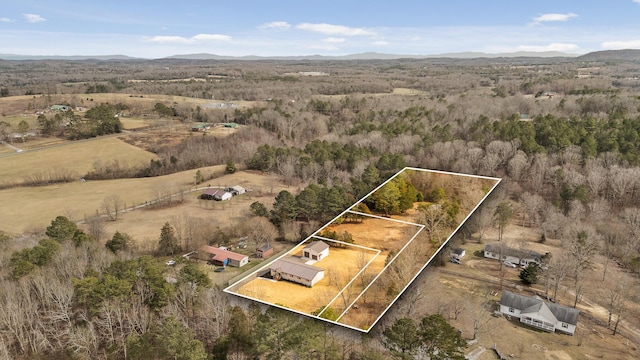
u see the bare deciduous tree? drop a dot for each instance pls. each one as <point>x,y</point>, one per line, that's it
<point>112,206</point>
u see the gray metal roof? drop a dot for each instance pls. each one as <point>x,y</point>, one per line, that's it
<point>562,313</point>
<point>293,267</point>
<point>317,246</point>
<point>509,251</point>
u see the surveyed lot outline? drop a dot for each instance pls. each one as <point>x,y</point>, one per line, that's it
<point>404,233</point>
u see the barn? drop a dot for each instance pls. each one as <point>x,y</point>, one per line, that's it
<point>292,270</point>
<point>222,257</point>
<point>216,194</point>
<point>316,250</point>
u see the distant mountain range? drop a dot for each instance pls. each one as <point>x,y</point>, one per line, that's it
<point>623,55</point>
<point>63,57</point>
<point>612,55</point>
<point>374,56</point>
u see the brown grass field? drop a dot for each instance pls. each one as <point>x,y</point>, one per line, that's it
<point>26,209</point>
<point>78,157</point>
<point>340,266</point>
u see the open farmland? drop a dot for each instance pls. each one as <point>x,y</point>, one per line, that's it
<point>78,157</point>
<point>79,199</point>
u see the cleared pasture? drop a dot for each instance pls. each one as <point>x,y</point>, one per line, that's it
<point>78,157</point>
<point>26,209</point>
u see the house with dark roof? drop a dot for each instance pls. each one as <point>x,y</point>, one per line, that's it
<point>316,250</point>
<point>222,257</point>
<point>538,313</point>
<point>517,256</point>
<point>295,271</point>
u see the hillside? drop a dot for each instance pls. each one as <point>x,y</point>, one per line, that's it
<point>612,55</point>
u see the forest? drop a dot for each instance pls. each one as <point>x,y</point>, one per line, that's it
<point>566,146</point>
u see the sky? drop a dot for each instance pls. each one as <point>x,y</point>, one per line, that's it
<point>158,28</point>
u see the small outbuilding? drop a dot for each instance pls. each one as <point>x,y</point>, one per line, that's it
<point>264,251</point>
<point>292,270</point>
<point>316,250</point>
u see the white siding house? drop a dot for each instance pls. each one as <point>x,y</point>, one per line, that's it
<point>516,256</point>
<point>539,313</point>
<point>316,250</point>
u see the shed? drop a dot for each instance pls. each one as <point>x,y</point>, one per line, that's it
<point>316,250</point>
<point>295,271</point>
<point>264,251</point>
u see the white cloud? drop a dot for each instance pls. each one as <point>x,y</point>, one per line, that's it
<point>636,1</point>
<point>330,29</point>
<point>380,43</point>
<point>551,47</point>
<point>279,25</point>
<point>33,18</point>
<point>212,37</point>
<point>553,17</point>
<point>6,20</point>
<point>191,40</point>
<point>617,45</point>
<point>334,40</point>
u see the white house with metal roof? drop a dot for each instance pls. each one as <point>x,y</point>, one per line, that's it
<point>538,313</point>
<point>295,271</point>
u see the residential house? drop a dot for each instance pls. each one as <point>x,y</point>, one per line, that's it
<point>538,313</point>
<point>295,271</point>
<point>516,256</point>
<point>316,250</point>
<point>215,194</point>
<point>264,251</point>
<point>222,257</point>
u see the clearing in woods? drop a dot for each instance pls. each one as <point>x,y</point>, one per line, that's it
<point>356,294</point>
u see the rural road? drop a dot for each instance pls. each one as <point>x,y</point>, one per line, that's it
<point>66,143</point>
